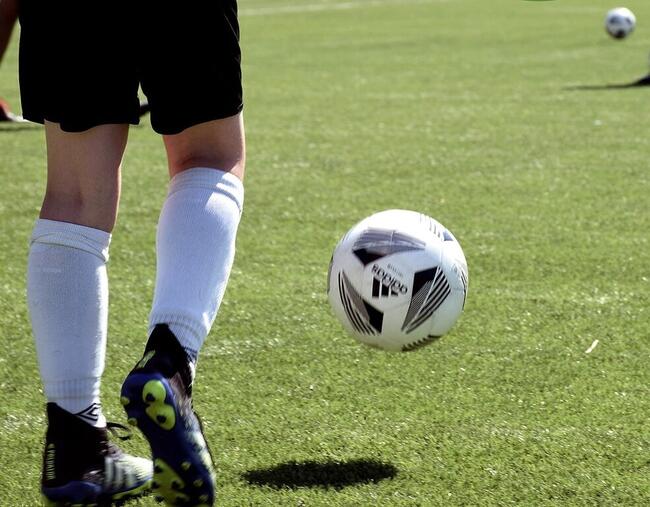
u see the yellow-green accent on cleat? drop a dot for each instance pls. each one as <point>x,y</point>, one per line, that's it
<point>169,483</point>
<point>134,492</point>
<point>163,414</point>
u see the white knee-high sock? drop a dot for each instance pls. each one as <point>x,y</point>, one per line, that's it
<point>67,295</point>
<point>195,246</point>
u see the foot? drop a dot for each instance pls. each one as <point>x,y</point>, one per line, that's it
<point>7,115</point>
<point>82,468</point>
<point>157,397</point>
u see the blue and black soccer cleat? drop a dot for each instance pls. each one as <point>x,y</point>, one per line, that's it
<point>157,397</point>
<point>82,468</point>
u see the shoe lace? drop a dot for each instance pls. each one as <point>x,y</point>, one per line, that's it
<point>119,469</point>
<point>119,431</point>
<point>115,429</point>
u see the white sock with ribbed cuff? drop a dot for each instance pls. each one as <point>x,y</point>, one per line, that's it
<point>67,295</point>
<point>195,247</point>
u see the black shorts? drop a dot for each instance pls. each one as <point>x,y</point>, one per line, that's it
<point>82,61</point>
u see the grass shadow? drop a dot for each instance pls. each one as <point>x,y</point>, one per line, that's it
<point>13,127</point>
<point>644,81</point>
<point>315,474</point>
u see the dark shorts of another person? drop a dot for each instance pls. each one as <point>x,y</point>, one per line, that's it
<point>81,62</point>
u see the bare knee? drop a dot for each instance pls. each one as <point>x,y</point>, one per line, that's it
<point>217,144</point>
<point>83,175</point>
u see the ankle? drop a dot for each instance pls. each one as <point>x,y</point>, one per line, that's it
<point>169,357</point>
<point>72,447</point>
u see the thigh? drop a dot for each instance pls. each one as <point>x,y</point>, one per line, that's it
<point>76,63</point>
<point>194,76</point>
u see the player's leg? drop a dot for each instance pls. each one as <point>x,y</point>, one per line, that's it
<point>67,285</point>
<point>83,175</point>
<point>197,227</point>
<point>204,138</point>
<point>218,143</point>
<point>8,16</point>
<point>67,292</point>
<point>195,247</point>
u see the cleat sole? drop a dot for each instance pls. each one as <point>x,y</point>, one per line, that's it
<point>183,471</point>
<point>154,395</point>
<point>97,498</point>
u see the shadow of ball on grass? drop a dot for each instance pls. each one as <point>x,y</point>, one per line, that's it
<point>315,474</point>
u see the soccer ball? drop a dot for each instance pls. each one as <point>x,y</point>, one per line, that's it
<point>620,22</point>
<point>398,280</point>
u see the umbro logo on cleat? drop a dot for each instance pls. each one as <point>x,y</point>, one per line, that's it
<point>91,413</point>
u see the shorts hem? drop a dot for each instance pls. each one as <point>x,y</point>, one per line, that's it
<point>80,126</point>
<point>170,128</point>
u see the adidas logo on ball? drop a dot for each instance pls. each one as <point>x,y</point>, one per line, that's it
<point>384,284</point>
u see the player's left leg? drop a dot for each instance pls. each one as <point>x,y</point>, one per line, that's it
<point>67,292</point>
<point>81,81</point>
<point>67,285</point>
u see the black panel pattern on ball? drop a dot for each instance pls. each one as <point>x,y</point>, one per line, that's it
<point>380,290</point>
<point>365,318</point>
<point>374,244</point>
<point>464,281</point>
<point>432,225</point>
<point>430,289</point>
<point>420,343</point>
<point>436,228</point>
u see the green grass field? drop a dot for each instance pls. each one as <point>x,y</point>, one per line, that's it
<point>471,111</point>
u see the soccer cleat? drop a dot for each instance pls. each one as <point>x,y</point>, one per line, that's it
<point>157,398</point>
<point>82,468</point>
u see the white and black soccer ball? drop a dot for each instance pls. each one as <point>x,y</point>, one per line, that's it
<point>620,22</point>
<point>398,280</point>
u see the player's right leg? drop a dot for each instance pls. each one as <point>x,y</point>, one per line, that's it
<point>195,247</point>
<point>195,242</point>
